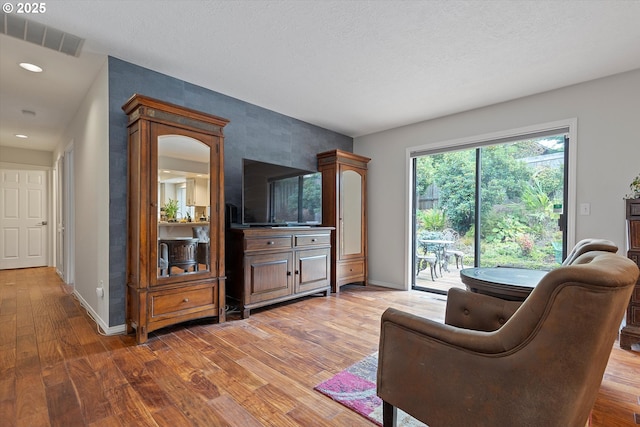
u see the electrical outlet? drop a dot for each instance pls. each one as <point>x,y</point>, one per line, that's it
<point>585,209</point>
<point>100,292</point>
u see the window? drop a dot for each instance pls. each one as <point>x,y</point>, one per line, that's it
<point>296,199</point>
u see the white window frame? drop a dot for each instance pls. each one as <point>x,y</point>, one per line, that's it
<point>454,144</point>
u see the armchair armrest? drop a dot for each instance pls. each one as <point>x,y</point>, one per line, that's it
<point>479,312</point>
<point>470,341</point>
<point>416,353</point>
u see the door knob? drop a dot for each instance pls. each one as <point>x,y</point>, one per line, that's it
<point>42,223</point>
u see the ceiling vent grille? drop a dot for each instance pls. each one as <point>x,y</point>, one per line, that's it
<point>34,32</point>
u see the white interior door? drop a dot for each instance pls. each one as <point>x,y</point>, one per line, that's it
<point>23,210</point>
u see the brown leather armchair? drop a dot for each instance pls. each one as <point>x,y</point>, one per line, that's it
<point>543,367</point>
<point>589,245</point>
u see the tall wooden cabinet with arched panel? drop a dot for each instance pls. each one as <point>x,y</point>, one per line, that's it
<point>344,202</point>
<point>175,248</point>
<point>630,333</point>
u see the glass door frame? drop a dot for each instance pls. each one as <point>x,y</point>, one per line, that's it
<point>567,126</point>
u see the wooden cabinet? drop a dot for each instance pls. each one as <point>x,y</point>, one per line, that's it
<point>197,193</point>
<point>172,277</point>
<point>344,202</point>
<point>630,333</point>
<point>270,265</point>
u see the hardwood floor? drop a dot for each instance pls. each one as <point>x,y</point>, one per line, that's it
<point>56,370</point>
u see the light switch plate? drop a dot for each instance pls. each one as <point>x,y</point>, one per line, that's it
<point>585,208</point>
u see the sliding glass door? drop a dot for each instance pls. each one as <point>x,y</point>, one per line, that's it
<point>494,204</point>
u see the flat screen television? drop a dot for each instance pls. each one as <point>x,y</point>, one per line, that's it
<point>276,195</point>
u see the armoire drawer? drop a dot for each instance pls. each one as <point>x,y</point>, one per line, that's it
<point>174,301</point>
<point>351,269</point>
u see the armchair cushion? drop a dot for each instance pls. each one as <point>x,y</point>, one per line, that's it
<point>470,310</point>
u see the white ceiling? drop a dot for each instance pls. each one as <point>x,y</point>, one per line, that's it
<point>356,67</point>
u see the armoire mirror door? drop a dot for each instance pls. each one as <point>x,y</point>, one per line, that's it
<point>183,229</point>
<point>183,205</point>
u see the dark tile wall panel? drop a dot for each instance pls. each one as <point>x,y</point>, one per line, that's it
<point>253,132</point>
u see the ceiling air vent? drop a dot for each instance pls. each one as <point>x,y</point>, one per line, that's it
<point>36,33</point>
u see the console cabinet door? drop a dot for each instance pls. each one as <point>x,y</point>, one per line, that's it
<point>312,269</point>
<point>268,276</point>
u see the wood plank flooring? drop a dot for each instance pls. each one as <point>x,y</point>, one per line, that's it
<point>57,370</point>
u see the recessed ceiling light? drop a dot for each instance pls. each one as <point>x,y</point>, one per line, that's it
<point>19,135</point>
<point>31,67</point>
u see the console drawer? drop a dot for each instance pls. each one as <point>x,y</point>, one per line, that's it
<point>267,243</point>
<point>312,240</point>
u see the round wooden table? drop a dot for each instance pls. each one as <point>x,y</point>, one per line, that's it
<point>513,284</point>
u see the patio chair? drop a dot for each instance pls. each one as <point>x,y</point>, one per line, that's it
<point>453,249</point>
<point>428,261</point>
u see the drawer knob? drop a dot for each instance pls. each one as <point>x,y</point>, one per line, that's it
<point>271,242</point>
<point>314,240</point>
<point>185,300</point>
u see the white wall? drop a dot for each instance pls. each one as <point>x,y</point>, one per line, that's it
<point>89,131</point>
<point>26,156</point>
<point>608,158</point>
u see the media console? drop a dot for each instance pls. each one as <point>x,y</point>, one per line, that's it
<point>268,265</point>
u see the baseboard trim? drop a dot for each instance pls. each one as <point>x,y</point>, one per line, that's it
<point>387,285</point>
<point>105,329</point>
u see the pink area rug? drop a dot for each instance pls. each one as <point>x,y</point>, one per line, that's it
<point>355,388</point>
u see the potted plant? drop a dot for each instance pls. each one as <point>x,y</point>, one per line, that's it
<point>171,209</point>
<point>635,189</point>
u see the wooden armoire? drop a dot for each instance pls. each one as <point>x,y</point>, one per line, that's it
<point>630,333</point>
<point>175,267</point>
<point>344,206</point>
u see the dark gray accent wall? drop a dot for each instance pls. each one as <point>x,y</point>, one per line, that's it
<point>253,132</point>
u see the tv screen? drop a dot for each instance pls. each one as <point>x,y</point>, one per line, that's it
<point>280,195</point>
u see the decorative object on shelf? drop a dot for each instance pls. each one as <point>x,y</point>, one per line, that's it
<point>635,189</point>
<point>171,210</point>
